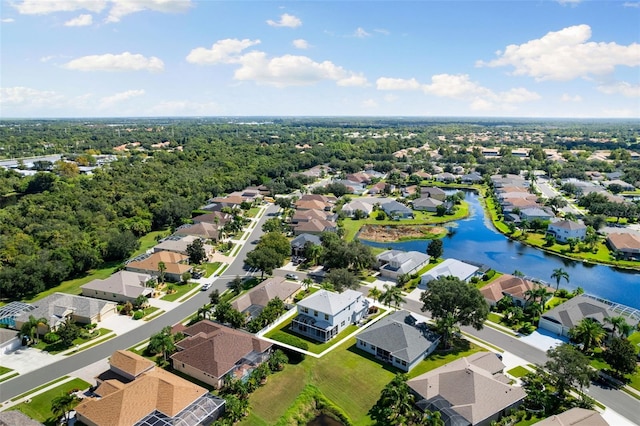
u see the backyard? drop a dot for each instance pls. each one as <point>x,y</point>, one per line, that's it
<point>347,376</point>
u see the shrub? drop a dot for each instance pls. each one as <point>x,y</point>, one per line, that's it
<point>51,338</point>
<point>138,315</point>
<point>288,339</point>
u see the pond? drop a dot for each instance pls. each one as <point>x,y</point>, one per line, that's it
<point>475,239</point>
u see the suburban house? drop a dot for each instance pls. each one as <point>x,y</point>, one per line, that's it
<point>533,213</point>
<point>397,210</point>
<point>179,244</point>
<point>564,229</point>
<point>567,315</point>
<point>324,314</point>
<point>399,339</point>
<point>214,218</point>
<point>203,230</point>
<point>393,263</point>
<point>327,202</point>
<point>255,300</point>
<point>626,186</point>
<point>627,244</point>
<point>212,352</point>
<point>468,391</point>
<point>449,267</point>
<point>473,177</point>
<point>350,208</point>
<point>175,265</point>
<point>121,287</point>
<point>356,188</point>
<point>377,188</point>
<point>135,392</point>
<point>508,286</point>
<point>298,243</point>
<point>574,417</point>
<point>433,192</point>
<point>427,204</point>
<point>314,226</point>
<point>445,177</point>
<point>57,307</point>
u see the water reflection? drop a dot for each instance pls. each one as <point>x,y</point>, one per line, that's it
<point>476,240</point>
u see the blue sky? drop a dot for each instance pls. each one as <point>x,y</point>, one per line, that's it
<point>105,58</point>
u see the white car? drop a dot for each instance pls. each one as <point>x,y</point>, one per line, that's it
<point>291,276</point>
<point>205,287</point>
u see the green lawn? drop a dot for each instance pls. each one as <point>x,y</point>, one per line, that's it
<point>54,348</point>
<point>180,291</point>
<point>316,348</point>
<point>4,370</point>
<point>493,317</point>
<point>347,376</point>
<point>39,408</point>
<point>518,371</point>
<point>252,212</point>
<point>210,268</point>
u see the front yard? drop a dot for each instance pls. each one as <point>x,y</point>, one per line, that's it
<point>39,408</point>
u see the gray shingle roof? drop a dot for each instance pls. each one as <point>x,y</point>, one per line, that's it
<point>329,302</point>
<point>400,334</point>
<point>127,283</point>
<point>571,312</point>
<point>81,306</point>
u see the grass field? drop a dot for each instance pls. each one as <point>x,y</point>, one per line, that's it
<point>347,376</point>
<point>210,268</point>
<point>180,291</point>
<point>518,371</point>
<point>39,408</point>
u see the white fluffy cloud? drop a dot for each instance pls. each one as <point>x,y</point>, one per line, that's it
<point>361,33</point>
<point>569,2</point>
<point>286,20</point>
<point>621,87</point>
<point>120,62</point>
<point>7,20</point>
<point>300,43</point>
<point>568,98</point>
<point>43,7</point>
<point>635,4</point>
<point>117,9</point>
<point>460,86</point>
<point>281,71</point>
<point>110,101</point>
<point>223,51</point>
<point>27,97</point>
<point>80,21</point>
<point>292,70</point>
<point>386,83</point>
<point>122,8</point>
<point>565,55</point>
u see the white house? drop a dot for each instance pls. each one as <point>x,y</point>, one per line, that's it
<point>393,263</point>
<point>399,339</point>
<point>564,229</point>
<point>449,267</point>
<point>324,314</point>
<point>349,209</point>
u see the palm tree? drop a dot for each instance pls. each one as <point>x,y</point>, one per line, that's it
<point>392,296</point>
<point>558,274</point>
<point>63,404</point>
<point>161,268</point>
<point>30,328</point>
<point>618,324</point>
<point>375,294</point>
<point>306,283</point>
<point>162,342</point>
<point>518,274</point>
<point>589,333</point>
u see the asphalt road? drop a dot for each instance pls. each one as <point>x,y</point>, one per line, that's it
<point>67,366</point>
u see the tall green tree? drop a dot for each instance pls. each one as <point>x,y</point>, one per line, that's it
<point>63,404</point>
<point>162,342</point>
<point>558,275</point>
<point>589,333</point>
<point>265,259</point>
<point>342,279</point>
<point>196,252</point>
<point>568,368</point>
<point>396,405</point>
<point>452,302</point>
<point>622,356</point>
<point>434,249</point>
<point>31,326</point>
<point>392,296</point>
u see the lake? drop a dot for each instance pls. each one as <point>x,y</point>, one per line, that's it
<point>475,239</point>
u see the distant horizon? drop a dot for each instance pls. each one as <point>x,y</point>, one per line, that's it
<point>566,59</point>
